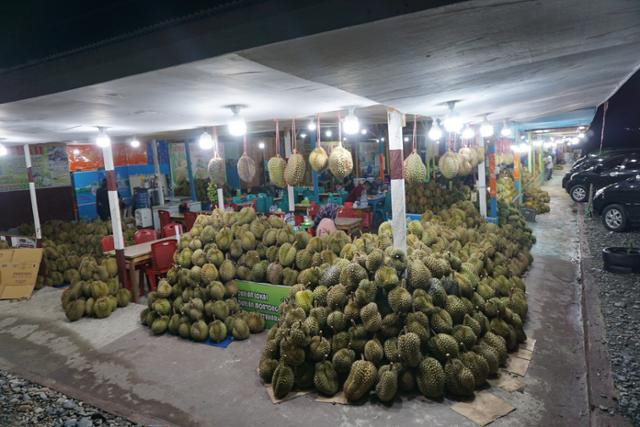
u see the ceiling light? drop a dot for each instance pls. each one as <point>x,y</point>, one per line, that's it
<point>312,125</point>
<point>581,127</point>
<point>135,143</point>
<point>468,133</point>
<point>522,137</point>
<point>435,133</point>
<point>406,139</point>
<point>581,135</point>
<point>205,141</point>
<point>351,124</point>
<point>363,131</point>
<point>344,139</point>
<point>575,140</point>
<point>3,150</point>
<point>261,145</point>
<point>506,130</point>
<point>486,128</point>
<point>76,151</point>
<point>452,123</point>
<point>382,139</point>
<point>236,125</point>
<point>328,133</point>
<point>103,140</point>
<point>303,135</point>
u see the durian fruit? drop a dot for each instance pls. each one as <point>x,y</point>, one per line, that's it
<point>362,377</point>
<point>430,378</point>
<point>276,167</point>
<point>216,170</point>
<point>246,168</point>
<point>415,171</point>
<point>340,162</point>
<point>295,169</point>
<point>325,378</point>
<point>282,380</point>
<point>318,159</point>
<point>448,165</point>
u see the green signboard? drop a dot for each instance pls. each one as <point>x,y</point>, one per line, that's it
<point>262,298</point>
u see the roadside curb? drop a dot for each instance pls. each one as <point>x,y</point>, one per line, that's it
<point>601,392</point>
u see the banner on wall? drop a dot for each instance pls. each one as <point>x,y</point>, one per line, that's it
<point>89,157</point>
<point>50,168</point>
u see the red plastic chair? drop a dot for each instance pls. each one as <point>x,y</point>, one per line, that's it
<point>161,260</point>
<point>165,218</point>
<point>190,219</point>
<point>107,243</point>
<point>145,235</point>
<point>313,210</point>
<point>169,230</point>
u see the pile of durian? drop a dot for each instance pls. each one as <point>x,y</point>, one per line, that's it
<point>374,320</point>
<point>533,197</point>
<point>94,290</point>
<point>65,243</point>
<point>434,196</point>
<point>197,300</point>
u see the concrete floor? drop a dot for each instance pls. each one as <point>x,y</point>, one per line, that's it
<point>116,365</point>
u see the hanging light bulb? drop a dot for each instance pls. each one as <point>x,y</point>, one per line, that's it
<point>236,125</point>
<point>3,150</point>
<point>351,124</point>
<point>435,133</point>
<point>453,122</point>
<point>205,141</point>
<point>406,139</point>
<point>581,135</point>
<point>328,133</point>
<point>76,151</point>
<point>468,133</point>
<point>486,128</point>
<point>135,143</point>
<point>506,130</point>
<point>103,139</point>
<point>311,126</point>
<point>363,131</point>
<point>261,145</point>
<point>303,135</point>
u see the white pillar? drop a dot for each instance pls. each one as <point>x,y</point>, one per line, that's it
<point>156,166</point>
<point>395,121</point>
<point>114,209</point>
<point>32,194</point>
<point>482,188</point>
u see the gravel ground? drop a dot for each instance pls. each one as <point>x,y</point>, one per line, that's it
<point>23,403</point>
<point>620,304</point>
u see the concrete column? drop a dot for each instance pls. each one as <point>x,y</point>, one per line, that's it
<point>192,183</point>
<point>395,120</point>
<point>482,180</point>
<point>116,222</point>
<point>288,149</point>
<point>216,148</point>
<point>156,167</point>
<point>493,202</point>
<point>32,194</point>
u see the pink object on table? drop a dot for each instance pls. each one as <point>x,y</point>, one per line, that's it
<point>326,226</point>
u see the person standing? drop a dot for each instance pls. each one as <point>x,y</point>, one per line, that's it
<point>102,201</point>
<point>548,166</point>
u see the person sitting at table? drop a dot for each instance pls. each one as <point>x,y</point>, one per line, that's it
<point>355,192</point>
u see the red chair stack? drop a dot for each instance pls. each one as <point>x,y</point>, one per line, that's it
<point>161,260</point>
<point>144,235</point>
<point>165,218</point>
<point>169,230</point>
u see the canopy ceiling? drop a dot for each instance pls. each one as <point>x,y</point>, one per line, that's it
<point>516,60</point>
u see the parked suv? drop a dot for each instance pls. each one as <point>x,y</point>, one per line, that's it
<point>607,159</point>
<point>619,204</point>
<point>608,172</point>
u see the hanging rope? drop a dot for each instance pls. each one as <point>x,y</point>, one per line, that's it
<point>414,141</point>
<point>277,138</point>
<point>339,130</point>
<point>244,143</point>
<point>318,133</point>
<point>293,132</point>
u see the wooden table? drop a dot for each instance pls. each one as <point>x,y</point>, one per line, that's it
<point>136,255</point>
<point>349,225</point>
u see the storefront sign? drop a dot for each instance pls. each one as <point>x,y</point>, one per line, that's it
<point>262,298</point>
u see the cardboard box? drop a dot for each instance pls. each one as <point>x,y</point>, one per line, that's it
<point>18,272</point>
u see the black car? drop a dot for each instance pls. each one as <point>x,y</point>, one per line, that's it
<point>600,176</point>
<point>608,159</point>
<point>619,204</point>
